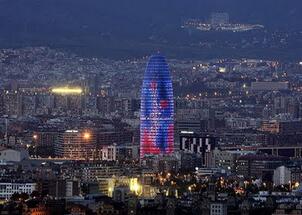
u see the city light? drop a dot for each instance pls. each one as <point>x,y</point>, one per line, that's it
<point>67,90</point>
<point>71,131</point>
<point>222,69</point>
<point>216,128</point>
<point>296,185</point>
<point>86,135</point>
<point>187,132</point>
<point>35,136</point>
<point>135,186</point>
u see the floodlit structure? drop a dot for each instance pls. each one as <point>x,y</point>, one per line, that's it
<point>67,90</point>
<point>157,109</point>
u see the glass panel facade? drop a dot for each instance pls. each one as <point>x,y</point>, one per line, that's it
<point>157,109</point>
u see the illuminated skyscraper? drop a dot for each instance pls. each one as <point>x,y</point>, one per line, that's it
<point>157,109</point>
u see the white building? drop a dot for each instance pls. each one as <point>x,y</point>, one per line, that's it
<point>269,86</point>
<point>202,172</point>
<point>109,153</point>
<point>13,155</point>
<point>282,175</point>
<point>242,123</point>
<point>72,187</point>
<point>227,159</point>
<point>127,151</point>
<point>8,189</point>
<point>121,194</point>
<point>120,152</point>
<point>218,209</point>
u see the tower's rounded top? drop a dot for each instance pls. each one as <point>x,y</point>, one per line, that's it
<point>157,57</point>
<point>157,68</point>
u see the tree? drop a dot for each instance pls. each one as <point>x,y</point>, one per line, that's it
<point>19,197</point>
<point>35,194</point>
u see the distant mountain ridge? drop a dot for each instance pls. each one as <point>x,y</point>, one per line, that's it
<point>124,15</point>
<point>85,22</point>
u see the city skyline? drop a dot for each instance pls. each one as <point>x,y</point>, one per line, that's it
<point>94,120</point>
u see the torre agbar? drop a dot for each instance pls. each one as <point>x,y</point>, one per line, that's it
<point>157,109</point>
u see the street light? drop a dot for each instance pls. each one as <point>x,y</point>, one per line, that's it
<point>87,136</point>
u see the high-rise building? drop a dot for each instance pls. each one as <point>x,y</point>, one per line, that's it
<point>77,145</point>
<point>12,103</point>
<point>282,176</point>
<point>157,109</point>
<point>196,144</point>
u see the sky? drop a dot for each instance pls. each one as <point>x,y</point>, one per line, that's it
<point>72,22</point>
<point>95,14</point>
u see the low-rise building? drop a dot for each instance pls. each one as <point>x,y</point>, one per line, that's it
<point>218,209</point>
<point>259,166</point>
<point>13,155</point>
<point>7,189</point>
<point>226,159</point>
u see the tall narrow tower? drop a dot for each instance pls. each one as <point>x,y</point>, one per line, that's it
<point>157,109</point>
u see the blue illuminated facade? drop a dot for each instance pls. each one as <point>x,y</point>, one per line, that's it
<point>157,109</point>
